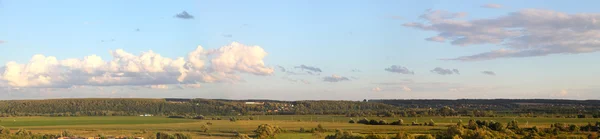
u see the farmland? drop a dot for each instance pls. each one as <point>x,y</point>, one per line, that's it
<point>148,126</point>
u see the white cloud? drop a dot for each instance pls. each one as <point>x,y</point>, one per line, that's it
<point>526,33</point>
<point>376,89</point>
<point>562,93</point>
<point>492,5</point>
<point>406,89</point>
<point>148,68</point>
<point>158,86</point>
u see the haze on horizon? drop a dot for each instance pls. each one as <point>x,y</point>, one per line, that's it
<point>299,50</point>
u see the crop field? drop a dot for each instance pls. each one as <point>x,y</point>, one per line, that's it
<point>148,126</point>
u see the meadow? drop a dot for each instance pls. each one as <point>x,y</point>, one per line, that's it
<point>148,126</point>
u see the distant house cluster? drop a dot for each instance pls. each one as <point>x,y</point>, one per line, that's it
<point>178,100</point>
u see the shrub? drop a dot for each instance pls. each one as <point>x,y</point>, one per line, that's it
<point>204,128</point>
<point>352,121</point>
<point>320,128</point>
<point>363,121</point>
<point>66,133</point>
<point>200,117</point>
<point>431,123</point>
<point>4,130</point>
<point>428,136</point>
<point>232,119</point>
<point>23,132</point>
<point>241,136</point>
<point>265,131</point>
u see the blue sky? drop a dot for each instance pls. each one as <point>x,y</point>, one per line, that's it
<point>334,36</point>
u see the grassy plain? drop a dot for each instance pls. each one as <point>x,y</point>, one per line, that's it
<point>147,126</point>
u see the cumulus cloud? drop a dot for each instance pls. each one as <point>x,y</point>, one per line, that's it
<point>309,68</point>
<point>489,73</point>
<point>492,5</point>
<point>335,78</point>
<point>184,15</point>
<point>442,71</point>
<point>376,89</point>
<point>525,33</point>
<point>148,68</point>
<point>399,69</point>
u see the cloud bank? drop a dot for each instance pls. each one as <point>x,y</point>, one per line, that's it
<point>526,33</point>
<point>149,68</point>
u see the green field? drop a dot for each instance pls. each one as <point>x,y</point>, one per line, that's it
<point>147,126</point>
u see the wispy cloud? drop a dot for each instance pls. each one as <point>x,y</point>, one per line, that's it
<point>376,89</point>
<point>399,69</point>
<point>442,71</point>
<point>526,33</point>
<point>489,73</point>
<point>492,5</point>
<point>184,15</point>
<point>335,78</point>
<point>309,68</point>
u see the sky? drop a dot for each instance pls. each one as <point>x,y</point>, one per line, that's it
<point>299,49</point>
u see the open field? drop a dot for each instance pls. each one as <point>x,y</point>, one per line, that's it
<point>147,126</point>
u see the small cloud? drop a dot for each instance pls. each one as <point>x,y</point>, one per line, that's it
<point>1,41</point>
<point>376,89</point>
<point>399,69</point>
<point>442,71</point>
<point>281,68</point>
<point>137,30</point>
<point>492,5</point>
<point>436,39</point>
<point>227,35</point>
<point>310,68</point>
<point>158,86</point>
<point>489,73</point>
<point>406,89</point>
<point>184,15</point>
<point>356,70</point>
<point>335,78</point>
<point>562,93</point>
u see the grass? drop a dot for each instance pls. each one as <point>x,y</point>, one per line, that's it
<point>147,126</point>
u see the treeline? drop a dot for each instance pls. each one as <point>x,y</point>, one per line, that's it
<point>503,106</point>
<point>215,107</point>
<point>167,107</point>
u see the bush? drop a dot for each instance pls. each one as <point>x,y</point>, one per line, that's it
<point>200,117</point>
<point>431,123</point>
<point>265,131</point>
<point>250,118</point>
<point>66,134</point>
<point>4,130</point>
<point>320,128</point>
<point>23,132</point>
<point>204,128</point>
<point>363,121</point>
<point>352,121</point>
<point>373,122</point>
<point>428,136</point>
<point>232,119</point>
